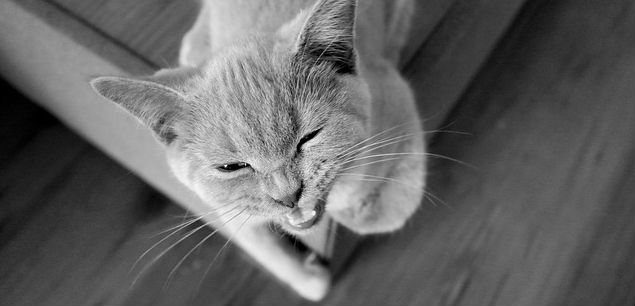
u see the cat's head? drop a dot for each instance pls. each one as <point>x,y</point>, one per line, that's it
<point>260,128</point>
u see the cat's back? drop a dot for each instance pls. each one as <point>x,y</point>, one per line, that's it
<point>232,19</point>
<point>381,24</point>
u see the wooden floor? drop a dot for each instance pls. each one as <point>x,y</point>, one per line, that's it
<point>544,214</point>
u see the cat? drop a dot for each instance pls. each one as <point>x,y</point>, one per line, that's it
<point>281,115</point>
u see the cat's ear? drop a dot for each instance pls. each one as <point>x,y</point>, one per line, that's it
<point>328,34</point>
<point>156,105</point>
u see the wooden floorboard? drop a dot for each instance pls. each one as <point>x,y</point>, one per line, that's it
<point>151,28</point>
<point>543,216</point>
<point>451,53</point>
<point>552,124</point>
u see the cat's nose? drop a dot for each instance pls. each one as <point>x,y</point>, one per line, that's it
<point>290,200</point>
<point>284,186</point>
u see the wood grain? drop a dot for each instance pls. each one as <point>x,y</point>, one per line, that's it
<point>152,29</point>
<point>552,120</point>
<point>54,69</point>
<point>544,216</point>
<point>445,63</point>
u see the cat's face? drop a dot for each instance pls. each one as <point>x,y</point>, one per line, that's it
<point>260,128</point>
<point>265,129</point>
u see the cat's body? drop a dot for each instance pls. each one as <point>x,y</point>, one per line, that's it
<point>274,116</point>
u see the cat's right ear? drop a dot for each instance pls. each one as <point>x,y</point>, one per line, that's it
<point>328,35</point>
<point>155,105</point>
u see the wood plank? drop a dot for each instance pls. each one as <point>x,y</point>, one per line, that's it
<point>427,16</point>
<point>443,66</point>
<point>52,68</point>
<point>546,219</point>
<point>152,29</point>
<point>16,132</point>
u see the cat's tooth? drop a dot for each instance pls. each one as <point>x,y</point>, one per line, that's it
<point>299,217</point>
<point>308,215</point>
<point>311,214</point>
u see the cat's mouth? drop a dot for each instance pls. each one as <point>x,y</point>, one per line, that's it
<point>302,219</point>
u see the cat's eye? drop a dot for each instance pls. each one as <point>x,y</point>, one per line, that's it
<point>232,167</point>
<point>307,137</point>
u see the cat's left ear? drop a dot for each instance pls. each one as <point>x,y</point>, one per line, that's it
<point>328,35</point>
<point>155,105</point>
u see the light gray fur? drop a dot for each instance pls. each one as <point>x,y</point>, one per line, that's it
<point>256,97</point>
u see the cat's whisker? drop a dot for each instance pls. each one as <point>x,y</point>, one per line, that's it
<point>209,267</point>
<point>187,216</point>
<point>447,125</point>
<point>344,159</point>
<point>381,178</point>
<point>412,154</point>
<point>369,163</point>
<point>390,141</point>
<point>179,226</point>
<point>363,148</point>
<point>176,267</point>
<point>371,180</point>
<point>375,178</point>
<point>452,160</point>
<point>192,220</point>
<point>166,250</point>
<point>134,281</point>
<point>221,207</point>
<point>440,131</point>
<point>382,155</point>
<point>427,197</point>
<point>375,136</point>
<point>356,157</point>
<point>386,142</point>
<point>176,230</point>
<point>428,194</point>
<point>183,216</point>
<point>380,144</point>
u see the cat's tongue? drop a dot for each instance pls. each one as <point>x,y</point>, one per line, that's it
<point>302,218</point>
